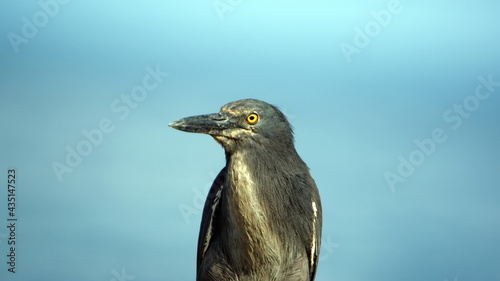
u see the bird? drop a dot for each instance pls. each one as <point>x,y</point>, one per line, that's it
<point>262,217</point>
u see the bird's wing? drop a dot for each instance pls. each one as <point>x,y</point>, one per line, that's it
<point>316,231</point>
<point>210,215</point>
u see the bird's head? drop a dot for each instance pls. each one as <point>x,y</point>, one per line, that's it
<point>242,123</point>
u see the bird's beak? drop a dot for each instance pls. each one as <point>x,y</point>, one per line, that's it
<point>212,124</point>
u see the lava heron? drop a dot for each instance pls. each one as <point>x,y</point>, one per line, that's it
<point>262,216</point>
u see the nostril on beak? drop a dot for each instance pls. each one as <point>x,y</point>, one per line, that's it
<point>219,117</point>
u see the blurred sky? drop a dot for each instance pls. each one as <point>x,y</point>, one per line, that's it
<point>130,207</point>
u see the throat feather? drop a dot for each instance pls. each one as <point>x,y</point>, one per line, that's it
<point>249,215</point>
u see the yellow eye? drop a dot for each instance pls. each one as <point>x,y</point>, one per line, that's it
<point>252,118</point>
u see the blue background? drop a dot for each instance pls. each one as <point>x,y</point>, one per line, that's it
<point>133,204</point>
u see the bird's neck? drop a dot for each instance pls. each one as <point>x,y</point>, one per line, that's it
<point>250,187</point>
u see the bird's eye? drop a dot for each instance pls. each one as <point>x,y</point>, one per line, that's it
<point>252,118</point>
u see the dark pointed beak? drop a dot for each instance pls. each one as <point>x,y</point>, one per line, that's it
<point>212,124</point>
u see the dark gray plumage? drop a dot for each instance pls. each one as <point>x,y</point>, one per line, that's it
<point>262,217</point>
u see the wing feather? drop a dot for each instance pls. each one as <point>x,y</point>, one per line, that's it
<point>316,231</point>
<point>209,216</point>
